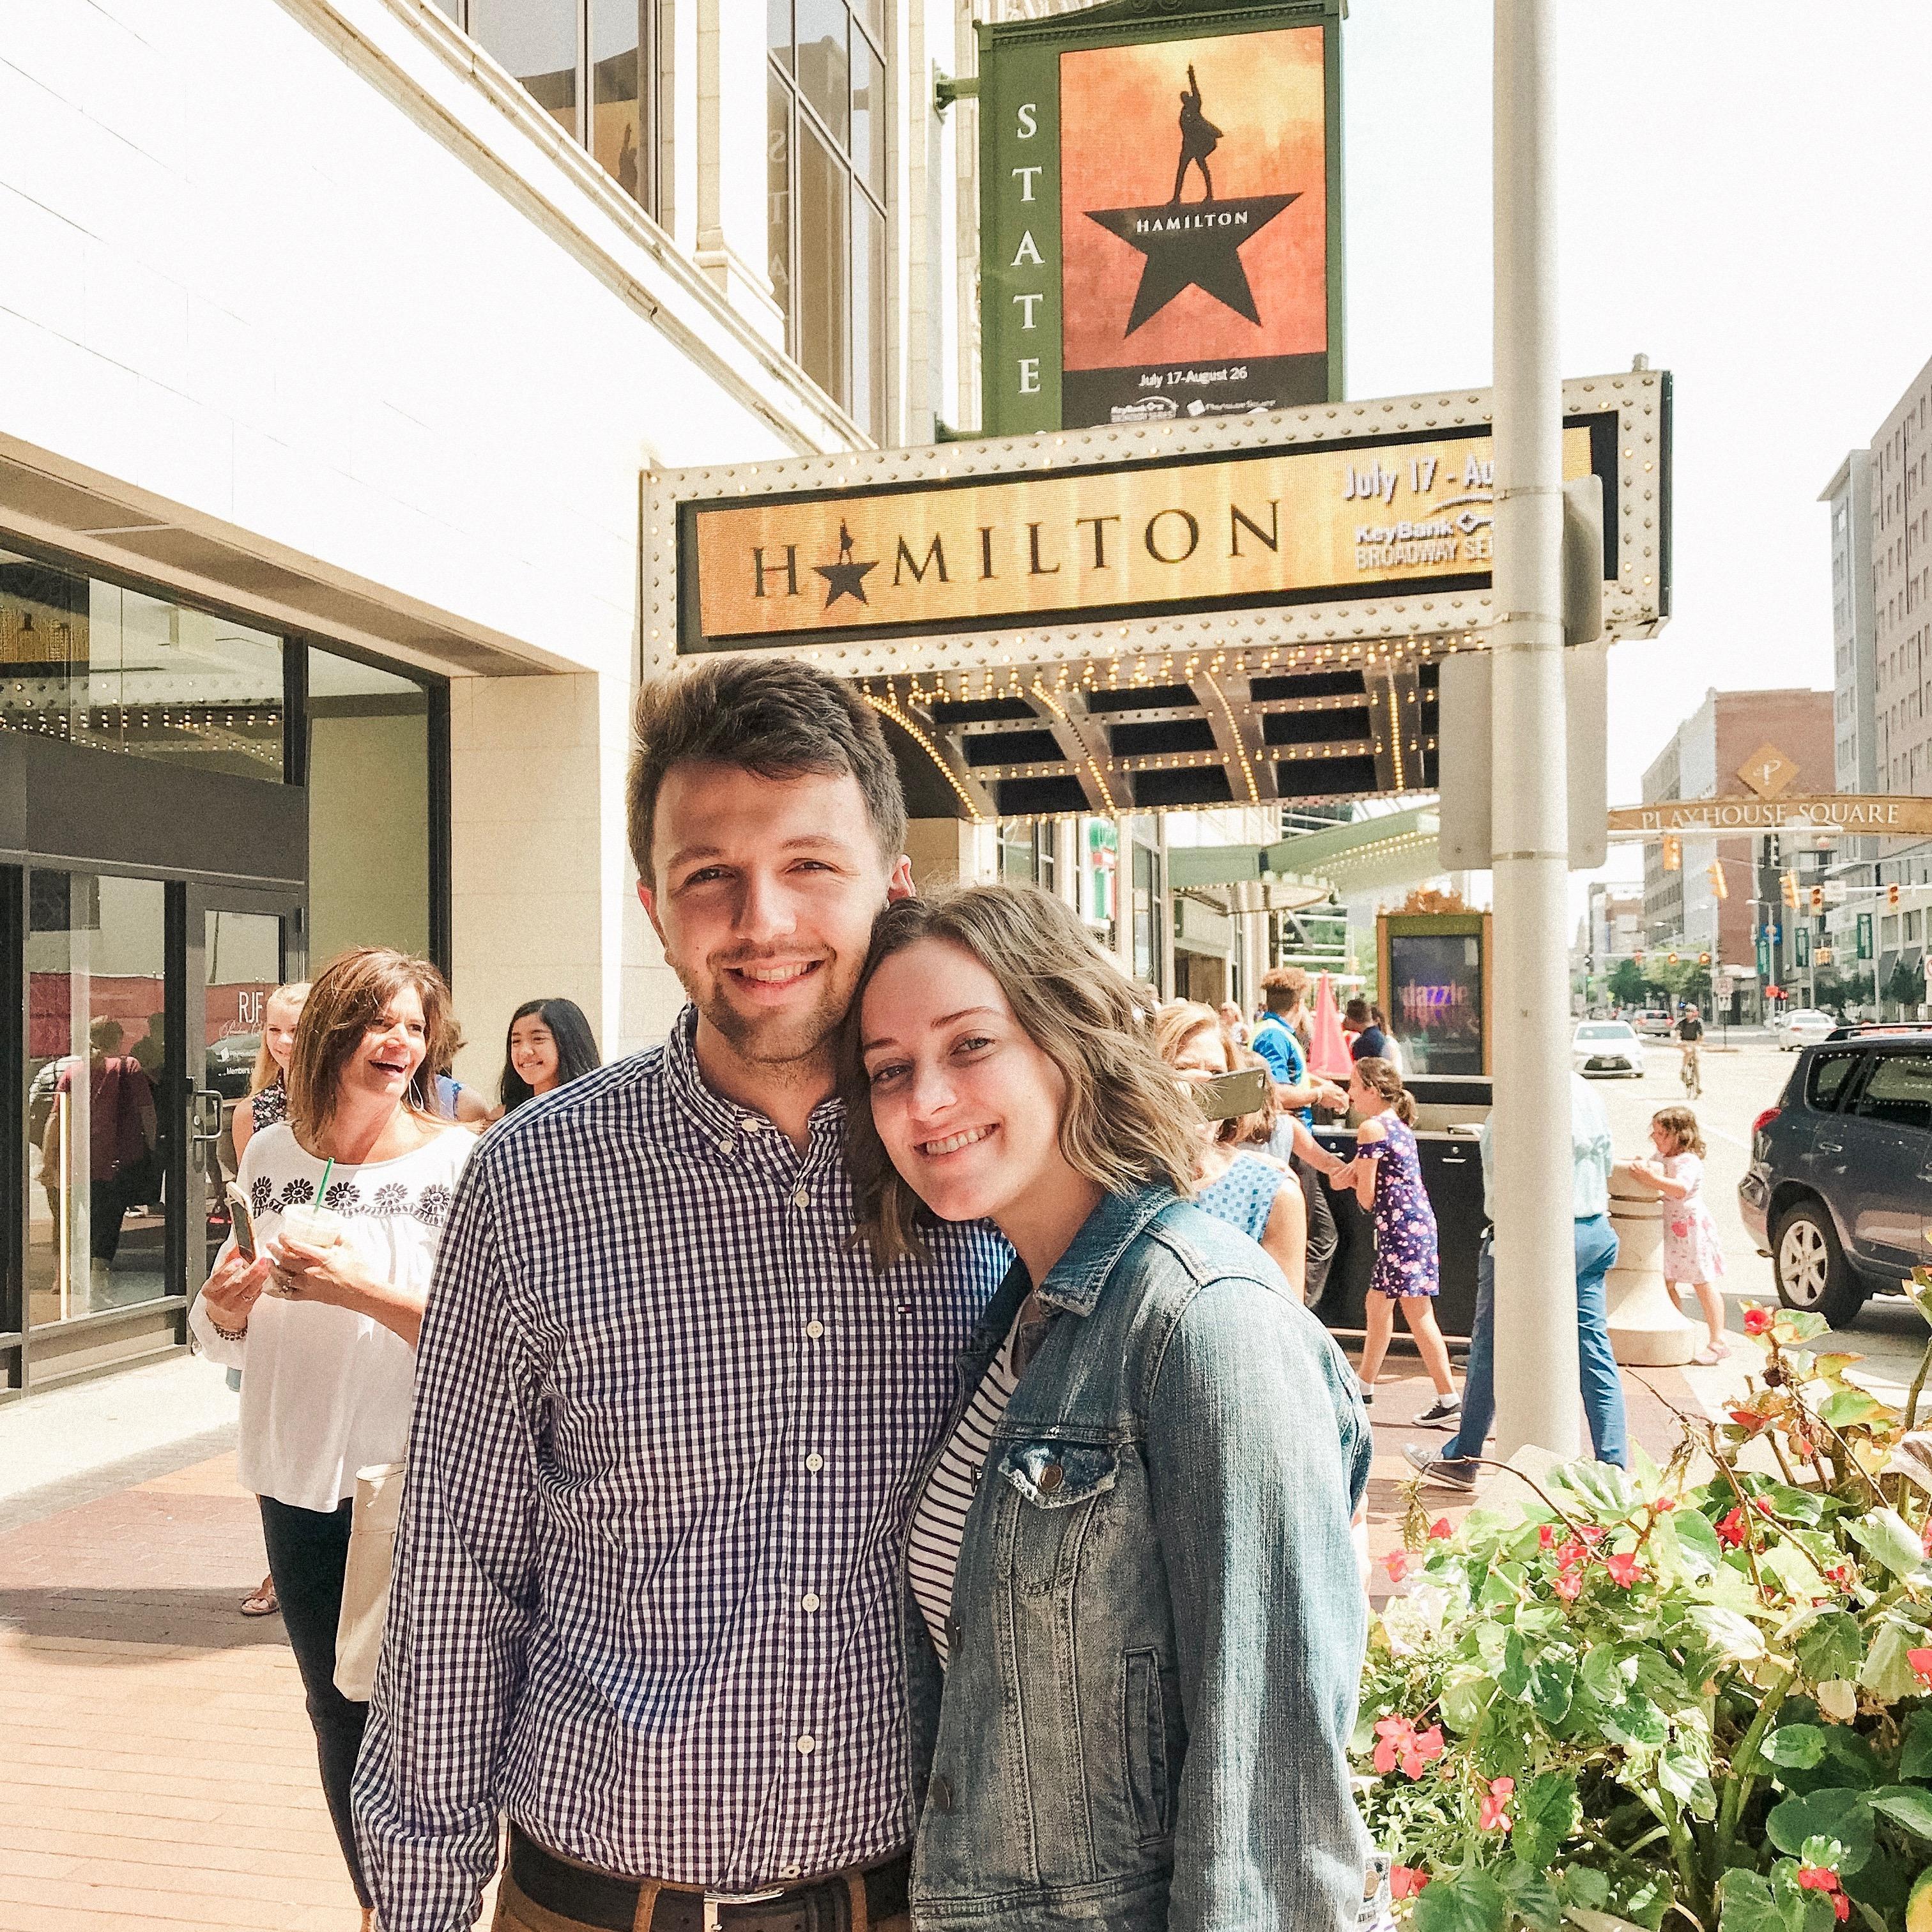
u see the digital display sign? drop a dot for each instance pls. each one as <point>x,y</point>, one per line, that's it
<point>1433,991</point>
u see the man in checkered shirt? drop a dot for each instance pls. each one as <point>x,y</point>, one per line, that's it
<point>646,1599</point>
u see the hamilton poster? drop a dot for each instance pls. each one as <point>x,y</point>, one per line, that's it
<point>1194,226</point>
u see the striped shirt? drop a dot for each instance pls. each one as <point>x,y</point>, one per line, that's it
<point>667,1423</point>
<point>939,1516</point>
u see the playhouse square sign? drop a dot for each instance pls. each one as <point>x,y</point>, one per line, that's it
<point>1895,817</point>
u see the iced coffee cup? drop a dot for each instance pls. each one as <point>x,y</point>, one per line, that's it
<point>313,1226</point>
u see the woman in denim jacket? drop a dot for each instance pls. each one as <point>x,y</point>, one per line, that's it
<point>1137,1626</point>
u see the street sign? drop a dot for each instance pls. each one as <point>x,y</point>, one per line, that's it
<point>1803,938</point>
<point>1892,814</point>
<point>1864,935</point>
<point>1763,953</point>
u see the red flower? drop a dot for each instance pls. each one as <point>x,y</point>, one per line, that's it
<point>1441,1530</point>
<point>1571,1554</point>
<point>1817,1878</point>
<point>1590,1533</point>
<point>1496,1805</point>
<point>1840,1573</point>
<point>1569,1587</point>
<point>1546,1534</point>
<point>1746,1418</point>
<point>1731,1528</point>
<point>1664,1505</point>
<point>1398,1742</point>
<point>1920,1661</point>
<point>1405,1881</point>
<point>1623,1570</point>
<point>1396,1563</point>
<point>1757,1320</point>
<point>1925,1537</point>
<point>1762,1505</point>
<point>1841,1906</point>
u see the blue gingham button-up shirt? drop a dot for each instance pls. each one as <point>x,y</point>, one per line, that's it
<point>668,1420</point>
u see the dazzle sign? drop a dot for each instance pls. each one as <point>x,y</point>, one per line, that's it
<point>1159,215</point>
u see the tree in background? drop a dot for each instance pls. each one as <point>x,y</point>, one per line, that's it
<point>1628,984</point>
<point>1906,985</point>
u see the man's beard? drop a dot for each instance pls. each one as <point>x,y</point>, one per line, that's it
<point>771,1040</point>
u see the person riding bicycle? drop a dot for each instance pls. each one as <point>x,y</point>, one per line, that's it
<point>1690,1032</point>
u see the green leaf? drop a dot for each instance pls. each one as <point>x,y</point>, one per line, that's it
<point>1730,1635</point>
<point>1553,1684</point>
<point>1886,1672</point>
<point>1915,1758</point>
<point>1697,1541</point>
<point>1684,1777</point>
<point>1603,1485</point>
<point>1464,1703</point>
<point>1834,1646</point>
<point>1849,1407</point>
<point>1800,1746</point>
<point>1748,1904</point>
<point>1547,1812</point>
<point>1829,1368</point>
<point>1464,1901</point>
<point>1787,1565</point>
<point>1904,1804</point>
<point>1791,1326</point>
<point>1793,1505</point>
<point>1637,1723</point>
<point>1512,1679</point>
<point>1833,1813</point>
<point>1584,1886</point>
<point>1888,1539</point>
<point>1532,1898</point>
<point>1604,1674</point>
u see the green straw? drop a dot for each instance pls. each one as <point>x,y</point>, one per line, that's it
<point>322,1192</point>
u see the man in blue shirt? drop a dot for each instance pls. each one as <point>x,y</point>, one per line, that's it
<point>1596,1253</point>
<point>1278,1042</point>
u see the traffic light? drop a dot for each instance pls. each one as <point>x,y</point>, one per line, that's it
<point>1892,897</point>
<point>1673,959</point>
<point>1719,890</point>
<point>1789,883</point>
<point>1817,898</point>
<point>1703,959</point>
<point>1673,852</point>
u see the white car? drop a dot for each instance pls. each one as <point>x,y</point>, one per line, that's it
<point>1806,1027</point>
<point>1607,1048</point>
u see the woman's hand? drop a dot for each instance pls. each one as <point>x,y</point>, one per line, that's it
<point>329,1274</point>
<point>1341,1175</point>
<point>233,1288</point>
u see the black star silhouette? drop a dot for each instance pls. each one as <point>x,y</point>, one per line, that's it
<point>1193,245</point>
<point>844,578</point>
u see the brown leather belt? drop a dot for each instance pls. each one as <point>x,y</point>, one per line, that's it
<point>604,1899</point>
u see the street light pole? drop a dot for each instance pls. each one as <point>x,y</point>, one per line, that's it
<point>1536,1377</point>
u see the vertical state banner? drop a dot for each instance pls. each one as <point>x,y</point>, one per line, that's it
<point>1159,215</point>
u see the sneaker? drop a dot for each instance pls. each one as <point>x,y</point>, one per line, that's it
<point>1367,1392</point>
<point>1440,1413</point>
<point>1444,1473</point>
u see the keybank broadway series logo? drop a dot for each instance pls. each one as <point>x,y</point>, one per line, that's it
<point>1304,525</point>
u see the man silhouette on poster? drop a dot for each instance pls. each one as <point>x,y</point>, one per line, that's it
<point>1199,138</point>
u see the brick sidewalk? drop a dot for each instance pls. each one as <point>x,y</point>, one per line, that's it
<point>159,1770</point>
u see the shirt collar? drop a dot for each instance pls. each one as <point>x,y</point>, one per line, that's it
<point>721,1121</point>
<point>1075,1281</point>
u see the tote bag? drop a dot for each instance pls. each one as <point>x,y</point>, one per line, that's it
<point>365,1584</point>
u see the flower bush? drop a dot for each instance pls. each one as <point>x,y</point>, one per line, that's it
<point>1701,1694</point>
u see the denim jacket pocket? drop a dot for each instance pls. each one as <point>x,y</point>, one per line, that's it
<point>1057,1475</point>
<point>1151,1725</point>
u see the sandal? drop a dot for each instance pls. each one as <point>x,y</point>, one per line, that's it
<point>1711,1354</point>
<point>264,1603</point>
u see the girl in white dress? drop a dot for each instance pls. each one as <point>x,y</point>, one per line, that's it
<point>1691,1252</point>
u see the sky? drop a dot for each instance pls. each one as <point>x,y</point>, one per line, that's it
<point>1743,198</point>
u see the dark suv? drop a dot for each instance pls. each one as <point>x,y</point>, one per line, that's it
<point>1839,1190</point>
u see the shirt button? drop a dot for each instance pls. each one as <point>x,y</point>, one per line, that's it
<point>750,1125</point>
<point>815,1461</point>
<point>809,1601</point>
<point>802,1197</point>
<point>813,1330</point>
<point>724,1143</point>
<point>806,1746</point>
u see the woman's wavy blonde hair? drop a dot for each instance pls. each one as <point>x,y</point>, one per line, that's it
<point>1126,1124</point>
<point>1181,1021</point>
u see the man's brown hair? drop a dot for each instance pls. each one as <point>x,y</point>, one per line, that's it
<point>347,999</point>
<point>773,717</point>
<point>1283,989</point>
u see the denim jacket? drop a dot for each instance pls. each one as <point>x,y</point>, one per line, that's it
<point>1157,1625</point>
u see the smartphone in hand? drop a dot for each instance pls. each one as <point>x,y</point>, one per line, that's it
<point>243,1221</point>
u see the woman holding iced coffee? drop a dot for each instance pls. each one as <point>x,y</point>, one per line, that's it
<point>348,1199</point>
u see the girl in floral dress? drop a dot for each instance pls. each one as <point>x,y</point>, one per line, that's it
<point>1386,1176</point>
<point>1691,1253</point>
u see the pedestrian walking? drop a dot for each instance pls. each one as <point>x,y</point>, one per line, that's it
<point>1386,1175</point>
<point>1694,1253</point>
<point>1280,1038</point>
<point>549,1044</point>
<point>348,1196</point>
<point>1251,1193</point>
<point>267,1100</point>
<point>121,1139</point>
<point>646,1597</point>
<point>1367,1040</point>
<point>1132,1676</point>
<point>1595,1252</point>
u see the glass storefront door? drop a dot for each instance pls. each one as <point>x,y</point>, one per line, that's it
<point>98,1134</point>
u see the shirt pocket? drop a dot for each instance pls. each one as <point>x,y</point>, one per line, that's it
<point>1049,1495</point>
<point>1058,1475</point>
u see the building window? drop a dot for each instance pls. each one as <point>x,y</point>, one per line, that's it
<point>826,188</point>
<point>1046,856</point>
<point>589,65</point>
<point>1019,852</point>
<point>88,663</point>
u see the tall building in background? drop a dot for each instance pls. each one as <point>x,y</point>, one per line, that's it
<point>1854,628</point>
<point>1901,552</point>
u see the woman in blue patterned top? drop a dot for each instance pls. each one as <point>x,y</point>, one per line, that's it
<point>1247,1190</point>
<point>1386,1175</point>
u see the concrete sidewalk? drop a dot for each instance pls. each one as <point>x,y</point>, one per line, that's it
<point>159,1771</point>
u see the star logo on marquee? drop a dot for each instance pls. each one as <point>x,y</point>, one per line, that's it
<point>1193,245</point>
<point>845,578</point>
